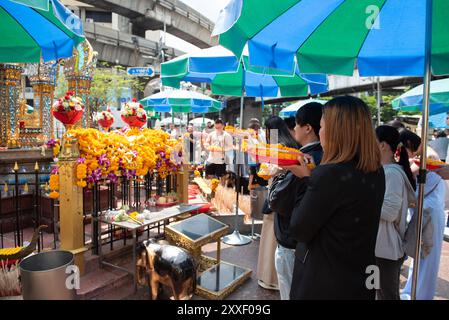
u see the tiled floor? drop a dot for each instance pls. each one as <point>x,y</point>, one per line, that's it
<point>245,256</point>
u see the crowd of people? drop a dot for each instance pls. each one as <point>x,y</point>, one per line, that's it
<point>343,229</point>
<point>352,214</point>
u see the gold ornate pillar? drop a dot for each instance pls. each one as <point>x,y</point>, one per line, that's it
<point>81,86</point>
<point>78,71</point>
<point>43,97</point>
<point>182,184</point>
<point>71,202</point>
<point>10,76</point>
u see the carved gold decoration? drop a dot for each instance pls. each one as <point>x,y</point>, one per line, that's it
<point>194,246</point>
<point>10,76</point>
<point>69,146</point>
<point>78,71</point>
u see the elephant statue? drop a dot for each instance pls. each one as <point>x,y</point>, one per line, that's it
<point>168,265</point>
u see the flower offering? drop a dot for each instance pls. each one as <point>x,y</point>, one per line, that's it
<point>68,109</point>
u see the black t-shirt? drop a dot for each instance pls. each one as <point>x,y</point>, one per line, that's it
<point>253,169</point>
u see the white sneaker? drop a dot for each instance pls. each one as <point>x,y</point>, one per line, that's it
<point>405,296</point>
<point>267,286</point>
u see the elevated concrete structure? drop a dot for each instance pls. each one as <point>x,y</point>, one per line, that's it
<point>123,48</point>
<point>180,20</point>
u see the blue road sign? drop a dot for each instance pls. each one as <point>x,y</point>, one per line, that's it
<point>140,71</point>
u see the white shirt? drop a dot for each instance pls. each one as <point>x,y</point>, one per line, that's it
<point>174,134</point>
<point>224,141</point>
<point>309,144</point>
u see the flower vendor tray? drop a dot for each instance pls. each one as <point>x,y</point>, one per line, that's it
<point>432,164</point>
<point>167,204</point>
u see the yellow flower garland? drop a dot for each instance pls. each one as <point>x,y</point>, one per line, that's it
<point>54,186</point>
<point>134,151</point>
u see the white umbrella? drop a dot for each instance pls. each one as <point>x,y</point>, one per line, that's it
<point>199,121</point>
<point>290,111</point>
<point>167,121</point>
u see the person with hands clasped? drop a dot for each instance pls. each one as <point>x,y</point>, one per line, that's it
<point>338,217</point>
<point>287,188</point>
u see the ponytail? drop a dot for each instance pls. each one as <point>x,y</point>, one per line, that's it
<point>405,164</point>
<point>398,143</point>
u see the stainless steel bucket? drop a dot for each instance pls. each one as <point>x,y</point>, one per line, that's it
<point>44,276</point>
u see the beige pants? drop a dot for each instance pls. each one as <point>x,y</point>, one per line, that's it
<point>266,270</point>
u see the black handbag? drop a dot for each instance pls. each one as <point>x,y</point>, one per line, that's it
<point>266,208</point>
<point>282,193</point>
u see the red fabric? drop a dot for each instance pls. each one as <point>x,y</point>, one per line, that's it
<point>273,160</point>
<point>68,117</point>
<point>134,121</point>
<point>428,166</point>
<point>106,123</point>
<point>205,207</point>
<point>9,263</point>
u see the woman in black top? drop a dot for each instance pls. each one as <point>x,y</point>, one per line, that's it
<point>276,132</point>
<point>338,216</point>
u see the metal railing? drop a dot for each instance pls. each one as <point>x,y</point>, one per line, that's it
<point>132,192</point>
<point>24,204</point>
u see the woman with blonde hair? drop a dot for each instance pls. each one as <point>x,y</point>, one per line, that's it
<point>336,221</point>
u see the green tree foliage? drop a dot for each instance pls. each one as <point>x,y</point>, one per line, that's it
<point>108,84</point>
<point>387,113</point>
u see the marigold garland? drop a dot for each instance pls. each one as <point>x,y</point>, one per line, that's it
<point>131,153</point>
<point>54,186</point>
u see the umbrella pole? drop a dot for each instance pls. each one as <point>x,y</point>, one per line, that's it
<point>236,239</point>
<point>422,169</point>
<point>379,100</point>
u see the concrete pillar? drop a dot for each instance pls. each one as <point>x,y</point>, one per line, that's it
<point>251,111</point>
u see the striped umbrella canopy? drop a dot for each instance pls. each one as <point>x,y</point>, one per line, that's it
<point>290,111</point>
<point>380,37</point>
<point>228,75</point>
<point>412,100</point>
<point>181,101</point>
<point>29,34</point>
<point>436,121</point>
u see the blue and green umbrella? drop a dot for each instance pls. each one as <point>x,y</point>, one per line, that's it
<point>183,101</point>
<point>229,75</point>
<point>290,111</point>
<point>412,100</point>
<point>32,34</point>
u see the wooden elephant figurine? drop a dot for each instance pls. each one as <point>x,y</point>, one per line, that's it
<point>168,265</point>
